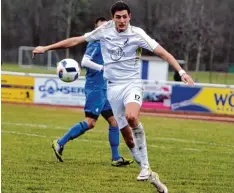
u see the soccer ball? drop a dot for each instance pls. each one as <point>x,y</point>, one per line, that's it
<point>68,70</point>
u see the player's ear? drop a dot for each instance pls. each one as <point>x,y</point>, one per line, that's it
<point>130,15</point>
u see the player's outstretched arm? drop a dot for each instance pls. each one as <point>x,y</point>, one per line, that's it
<point>70,42</point>
<point>159,50</point>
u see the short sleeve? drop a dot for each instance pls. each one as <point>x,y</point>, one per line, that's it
<point>91,50</point>
<point>95,34</point>
<point>145,40</point>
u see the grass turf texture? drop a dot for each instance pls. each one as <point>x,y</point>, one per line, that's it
<point>190,156</point>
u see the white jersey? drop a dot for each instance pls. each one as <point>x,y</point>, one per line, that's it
<point>121,51</point>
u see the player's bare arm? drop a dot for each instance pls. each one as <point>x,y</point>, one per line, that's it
<point>70,42</point>
<point>160,51</point>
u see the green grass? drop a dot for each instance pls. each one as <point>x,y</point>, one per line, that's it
<point>190,156</point>
<point>16,68</point>
<point>201,77</point>
<point>210,77</point>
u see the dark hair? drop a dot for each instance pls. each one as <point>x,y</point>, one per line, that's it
<point>100,19</point>
<point>119,6</point>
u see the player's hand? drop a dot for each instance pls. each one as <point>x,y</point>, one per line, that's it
<point>38,50</point>
<point>187,79</point>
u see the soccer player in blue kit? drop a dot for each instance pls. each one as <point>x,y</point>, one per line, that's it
<point>96,104</point>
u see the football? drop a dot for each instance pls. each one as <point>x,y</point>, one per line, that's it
<point>68,70</point>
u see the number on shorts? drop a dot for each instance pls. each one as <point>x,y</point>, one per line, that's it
<point>137,97</point>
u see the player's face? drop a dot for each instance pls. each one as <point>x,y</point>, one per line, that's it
<point>121,19</point>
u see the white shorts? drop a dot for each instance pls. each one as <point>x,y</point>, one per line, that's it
<point>120,94</point>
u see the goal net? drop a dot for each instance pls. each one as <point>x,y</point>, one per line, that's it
<point>46,60</point>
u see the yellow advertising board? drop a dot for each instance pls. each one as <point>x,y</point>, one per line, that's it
<point>17,89</point>
<point>217,100</point>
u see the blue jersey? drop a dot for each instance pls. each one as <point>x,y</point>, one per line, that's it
<point>94,78</point>
<point>95,85</point>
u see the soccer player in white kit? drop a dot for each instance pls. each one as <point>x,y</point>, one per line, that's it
<point>121,46</point>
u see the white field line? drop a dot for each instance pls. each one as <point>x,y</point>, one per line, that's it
<point>86,140</point>
<point>42,126</point>
<point>101,141</point>
<point>191,149</point>
<point>195,117</point>
<point>26,134</point>
<point>98,131</point>
<point>194,142</point>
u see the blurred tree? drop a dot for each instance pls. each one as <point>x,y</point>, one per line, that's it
<point>199,31</point>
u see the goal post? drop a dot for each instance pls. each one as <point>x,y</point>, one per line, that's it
<point>46,60</point>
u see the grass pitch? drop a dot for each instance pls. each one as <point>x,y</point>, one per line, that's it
<point>190,156</point>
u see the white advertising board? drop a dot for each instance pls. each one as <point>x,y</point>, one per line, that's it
<point>55,92</point>
<point>153,68</point>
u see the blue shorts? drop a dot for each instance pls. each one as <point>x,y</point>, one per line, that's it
<point>97,103</point>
